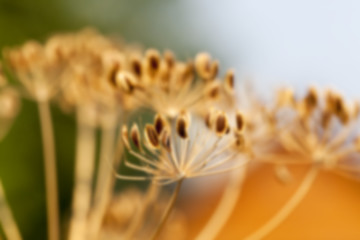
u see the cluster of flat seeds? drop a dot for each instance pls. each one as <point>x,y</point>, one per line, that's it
<point>169,86</point>
<point>323,129</point>
<point>170,152</point>
<point>96,73</point>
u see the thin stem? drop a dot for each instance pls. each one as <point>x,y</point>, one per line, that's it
<point>50,170</point>
<point>224,208</point>
<point>7,220</point>
<point>168,210</point>
<point>150,196</point>
<point>84,168</point>
<point>103,185</point>
<point>288,208</point>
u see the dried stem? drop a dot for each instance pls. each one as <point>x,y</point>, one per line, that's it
<point>7,220</point>
<point>224,208</point>
<point>85,156</point>
<point>150,196</point>
<point>50,170</point>
<point>103,187</point>
<point>168,209</point>
<point>288,208</point>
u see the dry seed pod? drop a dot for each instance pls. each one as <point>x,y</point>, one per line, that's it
<point>169,58</point>
<point>221,123</point>
<point>240,123</point>
<point>126,81</point>
<point>182,125</point>
<point>136,67</point>
<point>229,81</point>
<point>165,140</point>
<point>151,137</point>
<point>135,136</point>
<point>311,99</point>
<point>239,140</point>
<point>209,117</point>
<point>125,136</point>
<point>213,92</point>
<point>152,62</point>
<point>205,67</point>
<point>159,123</point>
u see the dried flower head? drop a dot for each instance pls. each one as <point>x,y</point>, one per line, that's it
<point>182,149</point>
<point>169,86</point>
<point>324,129</point>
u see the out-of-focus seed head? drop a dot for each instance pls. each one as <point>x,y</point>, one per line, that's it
<point>151,137</point>
<point>135,136</point>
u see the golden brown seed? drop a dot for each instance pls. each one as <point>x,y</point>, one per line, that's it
<point>135,136</point>
<point>204,67</point>
<point>208,119</point>
<point>126,81</point>
<point>169,58</point>
<point>229,81</point>
<point>165,140</point>
<point>151,136</point>
<point>159,123</point>
<point>221,124</point>
<point>136,67</point>
<point>124,136</point>
<point>182,126</point>
<point>239,140</point>
<point>311,99</point>
<point>239,121</point>
<point>213,91</point>
<point>152,62</point>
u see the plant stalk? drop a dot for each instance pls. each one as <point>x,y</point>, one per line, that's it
<point>84,169</point>
<point>224,208</point>
<point>168,210</point>
<point>288,208</point>
<point>50,170</point>
<point>7,220</point>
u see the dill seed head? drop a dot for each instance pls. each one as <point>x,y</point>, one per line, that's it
<point>325,134</point>
<point>168,86</point>
<point>186,150</point>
